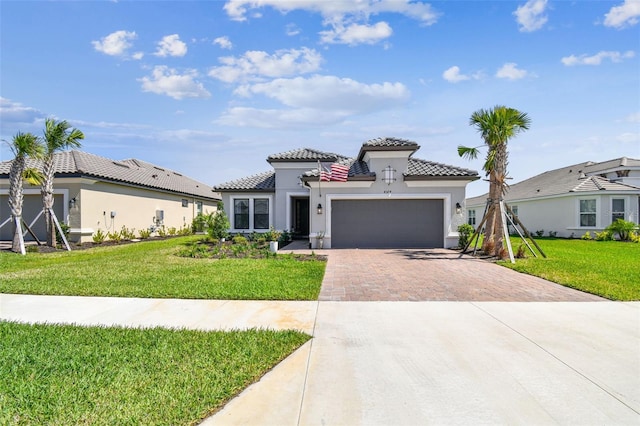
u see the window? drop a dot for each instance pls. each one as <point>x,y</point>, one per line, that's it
<point>241,213</point>
<point>185,202</point>
<point>617,209</point>
<point>588,212</point>
<point>514,209</point>
<point>261,213</point>
<point>471,218</point>
<point>198,207</point>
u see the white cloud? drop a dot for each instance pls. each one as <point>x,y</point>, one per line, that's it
<point>116,43</point>
<point>336,9</point>
<point>137,56</point>
<point>292,30</point>
<point>223,42</point>
<point>531,15</point>
<point>14,113</point>
<point>257,64</point>
<point>629,137</point>
<point>318,100</point>
<point>633,118</point>
<point>452,75</point>
<point>510,71</point>
<point>348,19</point>
<point>329,92</point>
<point>597,58</point>
<point>625,15</point>
<point>171,45</point>
<point>167,81</point>
<point>356,34</point>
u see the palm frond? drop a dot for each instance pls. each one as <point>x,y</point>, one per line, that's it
<point>33,176</point>
<point>468,152</point>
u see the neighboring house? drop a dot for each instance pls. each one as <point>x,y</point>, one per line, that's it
<point>95,193</point>
<point>572,200</point>
<point>381,198</point>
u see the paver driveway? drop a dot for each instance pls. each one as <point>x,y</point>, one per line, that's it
<point>432,274</point>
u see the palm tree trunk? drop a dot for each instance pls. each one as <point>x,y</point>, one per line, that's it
<point>15,201</point>
<point>499,172</point>
<point>48,200</point>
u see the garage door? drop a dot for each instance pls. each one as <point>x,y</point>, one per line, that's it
<point>31,207</point>
<point>387,223</point>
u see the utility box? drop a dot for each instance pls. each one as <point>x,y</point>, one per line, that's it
<point>159,217</point>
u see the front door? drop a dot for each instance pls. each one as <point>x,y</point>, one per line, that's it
<point>300,215</point>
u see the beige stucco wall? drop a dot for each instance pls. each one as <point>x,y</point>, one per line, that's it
<point>132,207</point>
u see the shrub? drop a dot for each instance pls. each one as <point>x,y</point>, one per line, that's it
<point>183,231</point>
<point>520,254</point>
<point>98,237</point>
<point>162,232</point>
<point>172,231</point>
<point>272,234</point>
<point>285,237</point>
<point>127,234</point>
<point>240,240</point>
<point>623,228</point>
<point>65,230</point>
<point>144,234</point>
<point>218,225</point>
<point>553,234</point>
<point>540,233</point>
<point>199,223</point>
<point>114,236</point>
<point>604,236</point>
<point>587,236</point>
<point>635,237</point>
<point>465,231</point>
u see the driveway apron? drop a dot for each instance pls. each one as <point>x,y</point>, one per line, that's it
<point>432,275</point>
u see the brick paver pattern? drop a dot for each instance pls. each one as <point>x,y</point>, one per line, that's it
<point>433,274</point>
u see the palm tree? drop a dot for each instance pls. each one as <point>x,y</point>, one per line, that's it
<point>23,145</point>
<point>58,135</point>
<point>496,126</point>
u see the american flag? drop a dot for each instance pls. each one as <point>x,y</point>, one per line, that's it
<point>339,172</point>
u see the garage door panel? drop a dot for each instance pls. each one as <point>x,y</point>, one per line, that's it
<point>387,223</point>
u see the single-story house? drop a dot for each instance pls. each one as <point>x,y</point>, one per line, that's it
<point>572,200</point>
<point>383,197</point>
<point>95,193</point>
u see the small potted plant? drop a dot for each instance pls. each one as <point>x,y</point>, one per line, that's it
<point>272,236</point>
<point>320,240</point>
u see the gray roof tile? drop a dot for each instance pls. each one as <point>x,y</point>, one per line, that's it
<point>558,182</point>
<point>390,142</point>
<point>357,169</point>
<point>305,155</point>
<point>135,172</point>
<point>261,182</point>
<point>424,168</point>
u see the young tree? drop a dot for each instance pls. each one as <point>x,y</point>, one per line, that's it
<point>58,136</point>
<point>23,145</point>
<point>496,126</point>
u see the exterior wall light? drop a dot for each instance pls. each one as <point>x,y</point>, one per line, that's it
<point>388,175</point>
<point>458,208</point>
<point>72,203</point>
<point>319,208</point>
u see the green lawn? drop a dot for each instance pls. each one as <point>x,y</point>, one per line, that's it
<point>151,269</point>
<point>68,375</point>
<point>610,269</point>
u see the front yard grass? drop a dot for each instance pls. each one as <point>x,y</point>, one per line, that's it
<point>67,375</point>
<point>609,269</point>
<point>152,269</point>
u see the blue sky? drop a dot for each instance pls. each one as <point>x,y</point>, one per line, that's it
<point>211,88</point>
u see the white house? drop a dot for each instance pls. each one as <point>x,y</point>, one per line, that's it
<point>383,197</point>
<point>574,199</point>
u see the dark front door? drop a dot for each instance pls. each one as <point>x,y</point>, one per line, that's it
<point>300,216</point>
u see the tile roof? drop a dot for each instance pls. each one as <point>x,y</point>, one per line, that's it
<point>261,182</point>
<point>132,171</point>
<point>418,168</point>
<point>618,163</point>
<point>357,170</point>
<point>387,144</point>
<point>305,155</point>
<point>570,179</point>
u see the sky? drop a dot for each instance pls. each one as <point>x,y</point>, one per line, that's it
<point>211,88</point>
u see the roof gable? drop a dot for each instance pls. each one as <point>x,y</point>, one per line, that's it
<point>387,144</point>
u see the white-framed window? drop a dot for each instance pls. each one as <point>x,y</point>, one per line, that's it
<point>617,209</point>
<point>241,213</point>
<point>198,207</point>
<point>471,217</point>
<point>514,209</point>
<point>261,213</point>
<point>587,212</point>
<point>251,213</point>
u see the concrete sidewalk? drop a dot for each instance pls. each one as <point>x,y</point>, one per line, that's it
<point>406,363</point>
<point>410,363</point>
